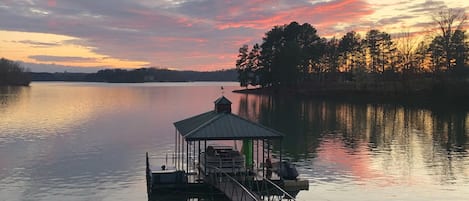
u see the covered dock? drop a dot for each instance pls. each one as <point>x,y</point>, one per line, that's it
<point>203,156</point>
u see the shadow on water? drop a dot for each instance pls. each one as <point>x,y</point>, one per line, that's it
<point>439,134</point>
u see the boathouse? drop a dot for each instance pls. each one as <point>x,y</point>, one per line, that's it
<point>237,174</point>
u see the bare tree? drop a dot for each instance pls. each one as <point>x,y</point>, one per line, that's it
<point>406,45</point>
<point>449,21</point>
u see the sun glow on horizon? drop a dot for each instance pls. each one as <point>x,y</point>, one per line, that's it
<point>44,48</point>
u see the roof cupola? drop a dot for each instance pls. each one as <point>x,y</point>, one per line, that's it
<point>222,105</point>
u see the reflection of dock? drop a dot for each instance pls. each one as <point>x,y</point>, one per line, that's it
<point>222,170</point>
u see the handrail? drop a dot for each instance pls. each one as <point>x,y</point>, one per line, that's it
<point>235,181</point>
<point>278,188</point>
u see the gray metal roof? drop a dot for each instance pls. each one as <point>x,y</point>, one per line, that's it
<point>223,126</point>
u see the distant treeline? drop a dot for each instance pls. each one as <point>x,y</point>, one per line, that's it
<point>138,76</point>
<point>12,73</point>
<point>294,57</point>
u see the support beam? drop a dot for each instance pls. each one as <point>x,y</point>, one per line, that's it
<point>175,146</point>
<point>193,154</point>
<point>177,151</point>
<point>257,154</point>
<point>263,157</point>
<point>198,160</point>
<point>280,164</point>
<point>205,157</point>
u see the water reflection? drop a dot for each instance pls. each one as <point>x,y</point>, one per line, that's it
<point>86,141</point>
<point>10,94</point>
<point>391,144</point>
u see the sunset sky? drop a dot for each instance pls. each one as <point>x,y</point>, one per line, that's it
<point>183,34</point>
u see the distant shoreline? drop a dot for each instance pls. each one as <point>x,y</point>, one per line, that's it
<point>136,76</point>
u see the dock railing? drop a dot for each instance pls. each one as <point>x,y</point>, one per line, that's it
<point>279,193</point>
<point>230,186</point>
<point>263,189</point>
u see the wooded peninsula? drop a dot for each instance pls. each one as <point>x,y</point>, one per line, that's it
<point>294,59</point>
<point>12,73</point>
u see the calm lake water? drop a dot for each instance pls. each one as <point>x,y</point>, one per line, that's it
<point>87,141</point>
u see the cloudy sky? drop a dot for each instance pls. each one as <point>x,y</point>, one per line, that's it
<point>183,34</point>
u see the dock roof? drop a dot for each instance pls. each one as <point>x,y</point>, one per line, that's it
<point>223,126</point>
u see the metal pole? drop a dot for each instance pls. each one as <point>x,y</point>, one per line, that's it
<point>268,150</point>
<point>280,166</point>
<point>205,157</point>
<point>193,155</point>
<point>252,153</point>
<point>198,160</point>
<point>177,151</point>
<point>257,155</point>
<point>263,157</point>
<point>187,156</point>
<point>268,153</point>
<point>182,152</point>
<point>175,146</point>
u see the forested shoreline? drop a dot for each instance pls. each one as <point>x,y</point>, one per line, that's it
<point>137,76</point>
<point>293,58</point>
<point>14,74</point>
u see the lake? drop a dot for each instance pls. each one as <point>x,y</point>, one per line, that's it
<point>87,141</point>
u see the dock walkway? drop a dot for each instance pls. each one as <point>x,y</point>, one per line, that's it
<point>230,186</point>
<point>236,192</point>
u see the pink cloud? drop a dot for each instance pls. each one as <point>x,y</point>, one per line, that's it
<point>51,3</point>
<point>169,39</point>
<point>320,15</point>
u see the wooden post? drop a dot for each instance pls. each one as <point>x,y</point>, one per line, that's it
<point>148,177</point>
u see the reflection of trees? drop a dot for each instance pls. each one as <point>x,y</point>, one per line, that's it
<point>399,137</point>
<point>450,140</point>
<point>9,94</point>
<point>287,115</point>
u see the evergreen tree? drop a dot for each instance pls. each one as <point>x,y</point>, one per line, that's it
<point>241,65</point>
